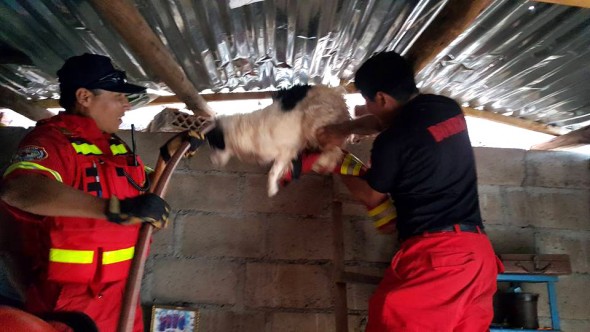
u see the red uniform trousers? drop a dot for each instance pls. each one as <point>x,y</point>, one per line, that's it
<point>437,282</point>
<point>102,302</point>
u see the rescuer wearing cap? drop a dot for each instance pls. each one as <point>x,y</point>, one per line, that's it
<point>78,196</point>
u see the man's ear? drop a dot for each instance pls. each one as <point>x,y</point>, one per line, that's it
<point>385,101</point>
<point>84,96</point>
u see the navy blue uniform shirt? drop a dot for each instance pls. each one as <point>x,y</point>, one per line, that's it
<point>425,161</point>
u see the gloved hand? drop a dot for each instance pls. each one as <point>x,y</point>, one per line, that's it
<point>195,138</point>
<point>302,165</point>
<point>149,208</point>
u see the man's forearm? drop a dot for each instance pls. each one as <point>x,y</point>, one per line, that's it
<point>360,189</point>
<point>43,196</point>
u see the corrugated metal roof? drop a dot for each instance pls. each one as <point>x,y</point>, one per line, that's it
<point>520,58</point>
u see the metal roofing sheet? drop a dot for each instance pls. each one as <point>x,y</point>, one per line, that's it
<point>519,58</point>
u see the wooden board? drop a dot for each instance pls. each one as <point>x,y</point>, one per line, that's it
<point>536,264</point>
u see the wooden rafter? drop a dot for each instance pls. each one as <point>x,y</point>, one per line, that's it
<point>457,16</point>
<point>21,105</point>
<point>134,29</point>
<point>573,3</point>
<point>574,138</point>
<point>513,121</point>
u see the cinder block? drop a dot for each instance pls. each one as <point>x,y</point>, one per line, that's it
<point>204,192</point>
<point>574,325</point>
<point>195,281</point>
<point>516,207</point>
<point>358,294</point>
<point>147,144</point>
<point>288,286</point>
<point>490,203</point>
<point>215,235</point>
<point>311,195</point>
<point>163,239</point>
<point>300,322</point>
<point>202,162</point>
<point>230,321</point>
<point>301,238</point>
<point>511,239</point>
<point>557,169</point>
<point>500,166</point>
<point>559,208</point>
<point>576,244</point>
<point>571,296</point>
<point>362,242</point>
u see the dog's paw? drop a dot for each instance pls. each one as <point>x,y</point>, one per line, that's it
<point>273,190</point>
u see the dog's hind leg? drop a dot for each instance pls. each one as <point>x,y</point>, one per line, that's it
<point>276,171</point>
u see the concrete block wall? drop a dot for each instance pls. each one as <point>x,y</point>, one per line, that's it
<point>251,263</point>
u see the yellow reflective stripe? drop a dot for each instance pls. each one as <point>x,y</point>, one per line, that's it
<point>148,170</point>
<point>345,163</point>
<point>30,165</point>
<point>383,213</point>
<point>383,221</point>
<point>71,256</point>
<point>379,208</point>
<point>351,165</point>
<point>86,148</point>
<point>116,256</point>
<point>118,149</point>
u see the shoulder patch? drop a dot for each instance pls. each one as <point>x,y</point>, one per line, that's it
<point>30,153</point>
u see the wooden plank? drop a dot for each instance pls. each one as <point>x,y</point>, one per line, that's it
<point>21,105</point>
<point>457,16</point>
<point>573,3</point>
<point>134,29</point>
<point>571,139</point>
<point>513,121</point>
<point>536,264</point>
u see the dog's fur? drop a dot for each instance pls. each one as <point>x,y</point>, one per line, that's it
<point>280,131</point>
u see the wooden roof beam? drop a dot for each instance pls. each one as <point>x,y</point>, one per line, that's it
<point>571,139</point>
<point>21,105</point>
<point>133,28</point>
<point>513,121</point>
<point>573,3</point>
<point>457,16</point>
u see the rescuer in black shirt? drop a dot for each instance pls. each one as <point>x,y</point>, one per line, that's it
<point>443,277</point>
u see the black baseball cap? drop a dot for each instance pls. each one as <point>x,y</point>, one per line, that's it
<point>93,71</point>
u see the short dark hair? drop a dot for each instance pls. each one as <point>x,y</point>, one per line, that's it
<point>387,72</point>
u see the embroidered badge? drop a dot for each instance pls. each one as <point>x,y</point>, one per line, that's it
<point>30,153</point>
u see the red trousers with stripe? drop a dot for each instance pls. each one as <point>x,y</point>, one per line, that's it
<point>438,282</point>
<point>102,302</point>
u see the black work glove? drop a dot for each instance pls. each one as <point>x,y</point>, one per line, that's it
<point>149,208</point>
<point>195,138</point>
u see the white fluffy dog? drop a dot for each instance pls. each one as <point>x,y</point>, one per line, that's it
<point>279,132</point>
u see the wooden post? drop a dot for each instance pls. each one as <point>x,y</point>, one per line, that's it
<point>21,105</point>
<point>574,138</point>
<point>457,16</point>
<point>340,297</point>
<point>134,29</point>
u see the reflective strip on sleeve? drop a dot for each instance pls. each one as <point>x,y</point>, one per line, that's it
<point>351,165</point>
<point>86,148</point>
<point>383,213</point>
<point>71,256</point>
<point>30,165</point>
<point>118,149</point>
<point>116,256</point>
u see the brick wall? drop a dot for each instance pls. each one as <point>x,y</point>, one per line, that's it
<point>251,263</point>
